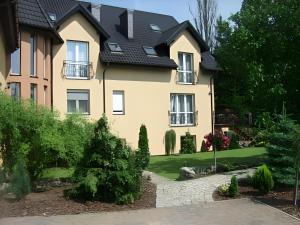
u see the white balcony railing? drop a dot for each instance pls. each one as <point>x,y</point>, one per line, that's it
<point>186,77</point>
<point>77,70</point>
<point>183,118</point>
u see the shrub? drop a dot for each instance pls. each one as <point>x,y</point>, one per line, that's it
<point>170,142</point>
<point>188,146</point>
<point>220,141</point>
<point>263,180</point>
<point>233,188</point>
<point>223,189</point>
<point>203,147</point>
<point>280,153</point>
<point>20,181</point>
<point>234,140</point>
<point>108,169</point>
<point>143,154</point>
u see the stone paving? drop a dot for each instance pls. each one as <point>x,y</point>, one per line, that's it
<point>232,212</point>
<point>177,193</point>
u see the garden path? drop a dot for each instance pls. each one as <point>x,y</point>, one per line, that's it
<point>177,193</point>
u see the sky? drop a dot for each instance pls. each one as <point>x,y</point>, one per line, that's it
<point>177,8</point>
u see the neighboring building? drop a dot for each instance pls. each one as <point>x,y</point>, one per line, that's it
<point>135,66</point>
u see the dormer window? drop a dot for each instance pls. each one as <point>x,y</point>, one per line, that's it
<point>114,47</point>
<point>150,51</point>
<point>154,27</point>
<point>52,16</point>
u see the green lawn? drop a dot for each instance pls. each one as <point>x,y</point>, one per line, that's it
<point>168,166</point>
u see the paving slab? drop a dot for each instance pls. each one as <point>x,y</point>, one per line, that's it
<point>231,212</point>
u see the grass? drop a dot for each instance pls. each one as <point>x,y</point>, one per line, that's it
<point>57,172</point>
<point>168,166</point>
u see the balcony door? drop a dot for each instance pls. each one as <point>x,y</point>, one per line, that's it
<point>185,70</point>
<point>182,109</point>
<point>77,59</point>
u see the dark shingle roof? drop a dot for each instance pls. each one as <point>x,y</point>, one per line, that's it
<point>143,35</point>
<point>31,14</point>
<point>209,62</point>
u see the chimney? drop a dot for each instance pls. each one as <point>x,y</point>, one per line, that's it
<point>126,23</point>
<point>96,12</point>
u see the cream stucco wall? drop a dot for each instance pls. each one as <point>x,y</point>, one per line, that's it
<point>3,72</point>
<point>147,99</point>
<point>147,89</point>
<point>77,28</point>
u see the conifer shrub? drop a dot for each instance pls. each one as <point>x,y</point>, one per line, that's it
<point>108,170</point>
<point>170,142</point>
<point>233,188</point>
<point>262,180</point>
<point>143,154</point>
<point>20,181</point>
<point>188,145</point>
<point>203,147</point>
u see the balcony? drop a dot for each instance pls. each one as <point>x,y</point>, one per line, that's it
<point>77,70</point>
<point>177,119</point>
<point>186,77</point>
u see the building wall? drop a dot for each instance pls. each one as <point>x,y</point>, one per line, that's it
<point>147,90</point>
<point>77,28</point>
<point>147,99</point>
<point>42,80</point>
<point>3,69</point>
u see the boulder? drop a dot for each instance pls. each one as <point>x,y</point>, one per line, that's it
<point>187,173</point>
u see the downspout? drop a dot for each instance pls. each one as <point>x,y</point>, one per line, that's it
<point>104,97</point>
<point>51,72</point>
<point>212,119</point>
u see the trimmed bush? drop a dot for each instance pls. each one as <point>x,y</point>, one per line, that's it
<point>20,181</point>
<point>143,154</point>
<point>203,147</point>
<point>234,140</point>
<point>108,170</point>
<point>188,145</point>
<point>233,188</point>
<point>170,142</point>
<point>262,180</point>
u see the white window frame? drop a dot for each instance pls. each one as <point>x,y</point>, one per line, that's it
<point>185,112</point>
<point>77,102</point>
<point>184,70</point>
<point>118,112</point>
<point>78,63</point>
<point>32,54</point>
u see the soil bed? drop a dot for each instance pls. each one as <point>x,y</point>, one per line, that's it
<point>280,198</point>
<point>52,202</point>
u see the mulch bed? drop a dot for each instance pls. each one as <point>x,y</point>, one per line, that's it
<point>280,198</point>
<point>52,202</point>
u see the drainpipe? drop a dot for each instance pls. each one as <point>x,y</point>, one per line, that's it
<point>104,98</point>
<point>212,119</point>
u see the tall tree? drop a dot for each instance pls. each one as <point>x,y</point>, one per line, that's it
<point>205,20</point>
<point>259,54</point>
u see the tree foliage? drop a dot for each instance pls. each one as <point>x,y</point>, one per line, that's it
<point>188,145</point>
<point>263,180</point>
<point>108,169</point>
<point>258,52</point>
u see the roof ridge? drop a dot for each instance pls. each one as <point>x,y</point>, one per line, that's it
<point>44,13</point>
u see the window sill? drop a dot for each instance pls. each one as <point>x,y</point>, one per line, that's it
<point>77,78</point>
<point>183,125</point>
<point>33,76</point>
<point>45,78</point>
<point>118,114</point>
<point>182,83</point>
<point>83,114</point>
<point>14,74</point>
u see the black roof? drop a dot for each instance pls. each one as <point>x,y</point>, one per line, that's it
<point>209,62</point>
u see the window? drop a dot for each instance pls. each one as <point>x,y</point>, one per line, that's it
<point>33,92</point>
<point>114,47</point>
<point>77,65</point>
<point>154,27</point>
<point>15,61</point>
<point>15,90</point>
<point>52,16</point>
<point>45,95</point>
<point>44,57</point>
<point>118,102</point>
<point>78,101</point>
<point>150,51</point>
<point>182,109</point>
<point>185,71</point>
<point>32,58</point>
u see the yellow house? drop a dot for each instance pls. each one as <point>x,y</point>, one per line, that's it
<point>136,67</point>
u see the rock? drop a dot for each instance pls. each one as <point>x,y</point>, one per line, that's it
<point>187,173</point>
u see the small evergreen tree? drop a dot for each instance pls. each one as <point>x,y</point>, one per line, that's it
<point>263,180</point>
<point>143,154</point>
<point>188,145</point>
<point>20,181</point>
<point>203,147</point>
<point>233,188</point>
<point>170,142</point>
